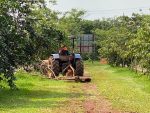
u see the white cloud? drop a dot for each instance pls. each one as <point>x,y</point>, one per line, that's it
<point>104,8</point>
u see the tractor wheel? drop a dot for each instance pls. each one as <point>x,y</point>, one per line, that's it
<point>55,67</point>
<point>79,68</point>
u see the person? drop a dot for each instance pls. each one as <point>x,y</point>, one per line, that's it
<point>63,50</point>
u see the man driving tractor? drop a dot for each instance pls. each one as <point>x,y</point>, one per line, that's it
<point>63,50</point>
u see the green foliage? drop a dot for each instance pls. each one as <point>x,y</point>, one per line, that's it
<point>12,39</point>
<point>29,31</point>
<point>70,23</point>
<point>126,41</point>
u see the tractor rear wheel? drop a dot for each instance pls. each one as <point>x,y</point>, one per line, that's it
<point>79,68</point>
<point>55,67</point>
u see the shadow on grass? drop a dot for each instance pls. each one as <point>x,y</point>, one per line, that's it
<point>24,98</point>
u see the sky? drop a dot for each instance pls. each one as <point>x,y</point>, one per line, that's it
<point>97,9</point>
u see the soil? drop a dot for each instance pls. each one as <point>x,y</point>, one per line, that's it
<point>95,103</point>
<point>92,102</point>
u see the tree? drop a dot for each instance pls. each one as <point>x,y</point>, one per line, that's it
<point>20,40</point>
<point>125,41</point>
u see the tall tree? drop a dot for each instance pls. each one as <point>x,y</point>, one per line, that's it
<point>19,37</point>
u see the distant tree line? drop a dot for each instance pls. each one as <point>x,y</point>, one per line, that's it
<point>125,41</point>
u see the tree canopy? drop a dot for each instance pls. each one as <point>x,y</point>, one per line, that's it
<point>126,41</point>
<point>30,31</point>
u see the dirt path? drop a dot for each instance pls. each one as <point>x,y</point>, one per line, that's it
<point>94,103</point>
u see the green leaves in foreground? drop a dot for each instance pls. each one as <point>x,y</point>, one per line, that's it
<point>20,41</point>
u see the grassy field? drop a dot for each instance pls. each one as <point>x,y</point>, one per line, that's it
<point>39,95</point>
<point>126,91</point>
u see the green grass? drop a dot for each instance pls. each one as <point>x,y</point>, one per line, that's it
<point>126,90</point>
<point>39,95</point>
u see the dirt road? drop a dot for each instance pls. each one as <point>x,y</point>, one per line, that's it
<point>94,103</point>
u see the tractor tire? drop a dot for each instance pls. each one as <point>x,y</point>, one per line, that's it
<point>55,67</point>
<point>79,68</point>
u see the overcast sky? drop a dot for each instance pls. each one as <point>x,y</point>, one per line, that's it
<point>104,8</point>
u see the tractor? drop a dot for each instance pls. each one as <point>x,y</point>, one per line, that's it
<point>60,64</point>
<point>68,64</point>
